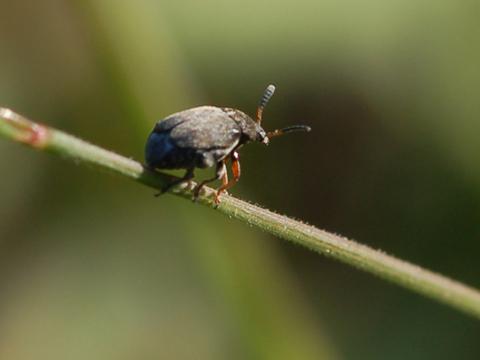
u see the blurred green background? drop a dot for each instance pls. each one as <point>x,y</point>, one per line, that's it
<point>95,267</point>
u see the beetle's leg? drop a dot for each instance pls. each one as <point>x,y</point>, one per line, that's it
<point>188,175</point>
<point>225,174</point>
<point>220,172</point>
<point>236,175</point>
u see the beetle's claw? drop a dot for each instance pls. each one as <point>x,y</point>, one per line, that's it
<point>217,200</point>
<point>164,190</point>
<point>196,194</point>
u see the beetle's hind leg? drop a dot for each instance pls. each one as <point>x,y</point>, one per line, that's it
<point>220,172</point>
<point>188,176</point>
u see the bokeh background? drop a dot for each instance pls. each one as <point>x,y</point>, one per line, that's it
<point>95,267</point>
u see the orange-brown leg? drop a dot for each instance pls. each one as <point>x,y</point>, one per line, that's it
<point>236,175</point>
<point>225,174</point>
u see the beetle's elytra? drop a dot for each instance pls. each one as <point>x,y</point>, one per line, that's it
<point>205,136</point>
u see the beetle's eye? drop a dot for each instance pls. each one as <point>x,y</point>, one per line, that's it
<point>262,136</point>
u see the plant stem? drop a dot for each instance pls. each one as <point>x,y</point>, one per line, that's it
<point>413,277</point>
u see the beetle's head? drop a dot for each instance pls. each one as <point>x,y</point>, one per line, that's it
<point>251,130</point>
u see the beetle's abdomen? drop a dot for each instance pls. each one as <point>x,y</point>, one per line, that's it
<point>161,153</point>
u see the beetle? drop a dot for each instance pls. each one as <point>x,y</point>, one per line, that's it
<point>205,136</point>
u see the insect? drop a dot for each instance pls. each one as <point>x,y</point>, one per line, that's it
<point>205,136</point>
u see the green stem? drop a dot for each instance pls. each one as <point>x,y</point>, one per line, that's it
<point>435,286</point>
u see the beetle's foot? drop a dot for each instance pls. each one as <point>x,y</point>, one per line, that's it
<point>166,188</point>
<point>196,194</point>
<point>161,192</point>
<point>195,197</point>
<point>217,199</point>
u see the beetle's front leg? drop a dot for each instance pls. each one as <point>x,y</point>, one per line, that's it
<point>236,175</point>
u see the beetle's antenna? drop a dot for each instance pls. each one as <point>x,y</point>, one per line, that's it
<point>266,96</point>
<point>289,129</point>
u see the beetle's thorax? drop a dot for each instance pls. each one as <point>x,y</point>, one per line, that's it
<point>251,130</point>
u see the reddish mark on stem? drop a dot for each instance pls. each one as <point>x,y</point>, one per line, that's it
<point>38,136</point>
<point>26,131</point>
